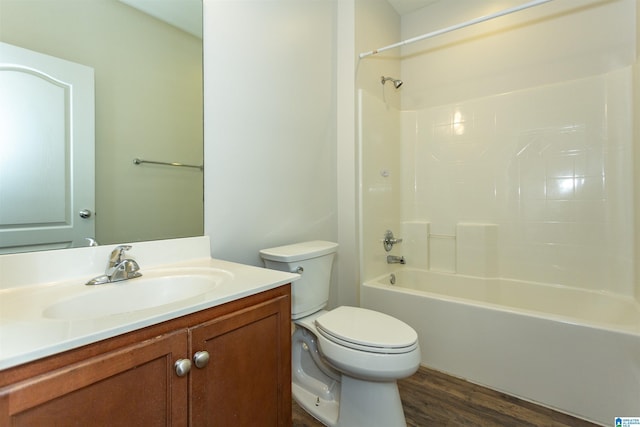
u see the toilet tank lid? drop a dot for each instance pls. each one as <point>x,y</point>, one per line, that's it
<point>299,251</point>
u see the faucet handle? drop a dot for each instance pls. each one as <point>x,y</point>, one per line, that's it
<point>389,240</point>
<point>125,270</point>
<point>116,255</point>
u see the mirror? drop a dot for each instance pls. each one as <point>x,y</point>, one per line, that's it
<point>148,105</point>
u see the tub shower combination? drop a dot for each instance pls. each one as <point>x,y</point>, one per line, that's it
<point>514,195</point>
<point>511,305</point>
<point>564,329</point>
<point>511,281</point>
<point>572,350</point>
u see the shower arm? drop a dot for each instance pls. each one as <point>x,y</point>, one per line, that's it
<point>396,82</point>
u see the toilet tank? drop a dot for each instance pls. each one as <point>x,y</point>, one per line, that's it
<point>313,261</point>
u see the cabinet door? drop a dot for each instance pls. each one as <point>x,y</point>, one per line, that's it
<point>132,386</point>
<point>247,381</point>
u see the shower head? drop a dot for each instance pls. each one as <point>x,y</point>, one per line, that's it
<point>396,82</point>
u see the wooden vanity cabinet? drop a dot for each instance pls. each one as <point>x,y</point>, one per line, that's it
<point>130,380</point>
<point>134,385</point>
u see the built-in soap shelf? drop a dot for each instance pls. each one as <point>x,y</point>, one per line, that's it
<point>472,250</point>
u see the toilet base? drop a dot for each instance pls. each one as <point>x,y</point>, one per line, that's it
<point>370,404</point>
<point>362,404</point>
<point>325,411</point>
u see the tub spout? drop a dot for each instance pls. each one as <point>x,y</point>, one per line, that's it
<point>392,259</point>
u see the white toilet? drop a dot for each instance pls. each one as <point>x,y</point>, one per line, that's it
<point>345,362</point>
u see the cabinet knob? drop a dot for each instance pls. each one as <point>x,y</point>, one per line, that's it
<point>183,366</point>
<point>201,359</point>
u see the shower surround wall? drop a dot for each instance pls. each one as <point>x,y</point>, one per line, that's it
<point>548,169</point>
<point>511,155</point>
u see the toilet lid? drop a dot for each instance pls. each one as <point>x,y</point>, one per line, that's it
<point>367,330</point>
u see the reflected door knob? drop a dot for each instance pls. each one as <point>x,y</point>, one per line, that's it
<point>182,366</point>
<point>201,359</point>
<point>84,213</point>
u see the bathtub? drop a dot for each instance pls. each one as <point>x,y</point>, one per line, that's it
<point>571,350</point>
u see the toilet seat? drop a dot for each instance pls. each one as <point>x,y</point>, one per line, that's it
<point>366,330</point>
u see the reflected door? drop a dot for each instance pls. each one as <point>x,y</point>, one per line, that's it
<point>46,151</point>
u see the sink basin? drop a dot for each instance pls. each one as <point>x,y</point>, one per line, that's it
<point>179,287</point>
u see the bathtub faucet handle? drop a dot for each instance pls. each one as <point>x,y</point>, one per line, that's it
<point>389,240</point>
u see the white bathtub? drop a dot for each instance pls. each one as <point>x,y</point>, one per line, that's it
<point>571,350</point>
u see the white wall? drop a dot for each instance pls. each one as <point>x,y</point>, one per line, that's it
<point>377,24</point>
<point>347,158</point>
<point>553,42</point>
<point>636,161</point>
<point>270,125</point>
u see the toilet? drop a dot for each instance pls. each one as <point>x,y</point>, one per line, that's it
<point>346,361</point>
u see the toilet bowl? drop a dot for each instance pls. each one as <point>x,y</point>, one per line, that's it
<point>345,361</point>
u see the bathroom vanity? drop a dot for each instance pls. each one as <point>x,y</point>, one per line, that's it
<point>224,360</point>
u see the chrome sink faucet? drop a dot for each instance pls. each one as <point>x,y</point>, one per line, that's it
<point>118,268</point>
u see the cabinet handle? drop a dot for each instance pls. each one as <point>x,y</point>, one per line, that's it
<point>201,359</point>
<point>183,366</point>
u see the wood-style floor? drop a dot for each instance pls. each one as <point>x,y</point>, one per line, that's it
<point>431,398</point>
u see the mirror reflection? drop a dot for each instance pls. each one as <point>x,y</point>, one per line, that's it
<point>146,103</point>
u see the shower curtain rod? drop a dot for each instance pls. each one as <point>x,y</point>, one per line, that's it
<point>456,27</point>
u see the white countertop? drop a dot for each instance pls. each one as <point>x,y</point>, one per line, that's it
<point>27,334</point>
